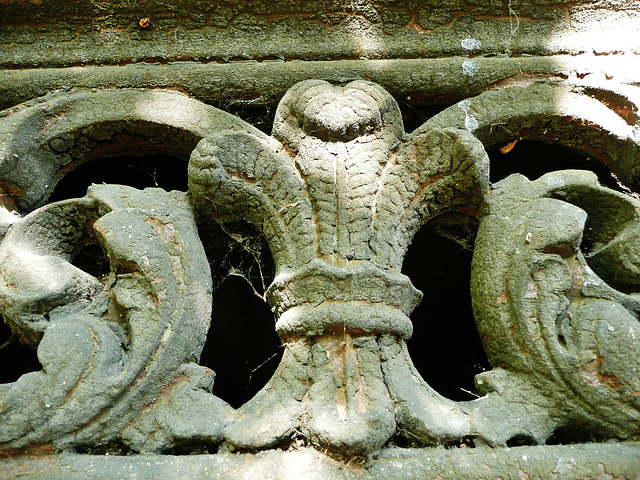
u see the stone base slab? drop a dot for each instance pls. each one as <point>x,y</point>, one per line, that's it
<point>579,461</point>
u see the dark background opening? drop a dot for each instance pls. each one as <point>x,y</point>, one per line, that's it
<point>242,346</point>
<point>157,170</point>
<point>16,358</point>
<point>533,159</point>
<point>445,347</point>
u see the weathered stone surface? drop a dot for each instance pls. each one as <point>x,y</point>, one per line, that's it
<point>48,137</point>
<point>604,461</point>
<point>113,350</point>
<point>338,192</point>
<point>535,292</point>
<point>440,81</point>
<point>338,199</point>
<point>114,33</point>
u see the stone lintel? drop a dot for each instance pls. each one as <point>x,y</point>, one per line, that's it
<point>423,81</point>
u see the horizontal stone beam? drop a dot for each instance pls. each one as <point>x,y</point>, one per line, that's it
<point>606,461</point>
<point>424,81</point>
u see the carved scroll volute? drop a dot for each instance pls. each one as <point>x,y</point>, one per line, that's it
<point>555,285</point>
<point>114,351</point>
<point>338,194</point>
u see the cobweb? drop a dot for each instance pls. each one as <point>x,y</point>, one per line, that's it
<point>243,253</point>
<point>242,347</point>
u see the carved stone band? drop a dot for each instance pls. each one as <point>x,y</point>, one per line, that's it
<point>365,298</point>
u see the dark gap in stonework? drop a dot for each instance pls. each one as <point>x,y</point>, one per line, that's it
<point>533,158</point>
<point>445,346</point>
<point>92,259</point>
<point>255,112</point>
<point>242,346</point>
<point>578,434</point>
<point>521,441</point>
<point>156,170</point>
<point>16,358</point>
<point>414,115</point>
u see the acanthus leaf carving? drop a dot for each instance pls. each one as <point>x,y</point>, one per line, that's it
<point>338,193</point>
<point>109,353</point>
<point>561,336</point>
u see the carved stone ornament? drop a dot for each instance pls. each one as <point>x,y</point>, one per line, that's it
<point>338,192</point>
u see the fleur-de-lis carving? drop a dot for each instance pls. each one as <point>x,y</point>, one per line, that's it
<point>339,193</point>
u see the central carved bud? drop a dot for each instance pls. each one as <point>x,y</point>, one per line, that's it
<point>341,115</point>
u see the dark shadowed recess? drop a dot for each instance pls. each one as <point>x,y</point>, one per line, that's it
<point>157,170</point>
<point>242,345</point>
<point>533,159</point>
<point>16,358</point>
<point>445,346</point>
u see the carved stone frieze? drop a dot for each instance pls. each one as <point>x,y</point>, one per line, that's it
<point>338,192</point>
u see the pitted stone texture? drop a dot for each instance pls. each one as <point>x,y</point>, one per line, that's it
<point>535,292</point>
<point>432,81</point>
<point>61,34</point>
<point>593,116</point>
<point>42,141</point>
<point>619,460</point>
<point>112,349</point>
<point>338,195</point>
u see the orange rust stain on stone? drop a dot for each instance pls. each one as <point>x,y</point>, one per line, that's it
<point>361,397</point>
<point>342,355</point>
<point>503,297</point>
<point>592,374</point>
<point>34,449</point>
<point>165,391</point>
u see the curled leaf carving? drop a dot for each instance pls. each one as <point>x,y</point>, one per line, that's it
<point>111,347</point>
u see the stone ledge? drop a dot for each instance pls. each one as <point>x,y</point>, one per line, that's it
<point>431,81</point>
<point>578,461</point>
